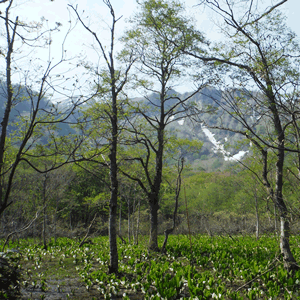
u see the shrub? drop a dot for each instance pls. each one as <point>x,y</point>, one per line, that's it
<point>10,274</point>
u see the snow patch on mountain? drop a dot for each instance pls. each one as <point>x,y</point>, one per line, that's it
<point>219,147</point>
<point>180,122</point>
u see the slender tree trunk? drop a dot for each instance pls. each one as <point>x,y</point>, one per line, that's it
<point>44,210</point>
<point>116,85</point>
<point>55,221</point>
<point>275,220</point>
<point>9,102</point>
<point>113,268</point>
<point>71,228</point>
<point>277,197</point>
<point>133,219</point>
<point>289,260</point>
<point>44,229</point>
<point>168,231</point>
<point>128,221</point>
<point>88,231</point>
<point>33,231</point>
<point>155,189</point>
<point>138,223</point>
<point>3,229</point>
<point>114,260</point>
<point>120,217</point>
<point>257,216</point>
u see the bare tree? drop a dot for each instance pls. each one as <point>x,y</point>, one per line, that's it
<point>113,86</point>
<point>32,90</point>
<point>261,56</point>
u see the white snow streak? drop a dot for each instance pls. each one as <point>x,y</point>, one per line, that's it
<point>218,147</point>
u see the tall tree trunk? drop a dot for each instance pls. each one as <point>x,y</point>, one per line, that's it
<point>153,245</point>
<point>168,231</point>
<point>128,221</point>
<point>9,102</point>
<point>113,268</point>
<point>132,221</point>
<point>71,227</point>
<point>277,197</point>
<point>120,217</point>
<point>155,189</point>
<point>257,231</point>
<point>138,223</point>
<point>289,260</point>
<point>44,229</point>
<point>55,220</point>
<point>275,220</point>
<point>116,84</point>
<point>44,210</point>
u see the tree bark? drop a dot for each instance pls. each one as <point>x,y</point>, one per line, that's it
<point>138,223</point>
<point>153,244</point>
<point>257,231</point>
<point>289,260</point>
<point>177,193</point>
<point>128,220</point>
<point>132,221</point>
<point>44,210</point>
<point>275,220</point>
<point>55,220</point>
<point>120,217</point>
<point>113,268</point>
<point>9,89</point>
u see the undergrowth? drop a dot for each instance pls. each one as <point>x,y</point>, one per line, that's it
<point>209,268</point>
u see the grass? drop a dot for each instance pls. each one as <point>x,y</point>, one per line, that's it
<point>214,268</point>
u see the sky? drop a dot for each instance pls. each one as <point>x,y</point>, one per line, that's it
<point>78,44</point>
<point>56,11</point>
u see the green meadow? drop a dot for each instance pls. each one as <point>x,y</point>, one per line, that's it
<point>202,267</point>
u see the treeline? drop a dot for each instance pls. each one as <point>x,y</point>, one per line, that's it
<point>216,203</point>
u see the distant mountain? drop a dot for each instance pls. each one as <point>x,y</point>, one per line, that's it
<point>221,148</point>
<point>218,145</point>
<point>23,104</point>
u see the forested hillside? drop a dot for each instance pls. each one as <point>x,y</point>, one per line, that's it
<point>211,156</point>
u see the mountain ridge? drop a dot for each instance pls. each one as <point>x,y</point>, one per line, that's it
<point>216,152</point>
